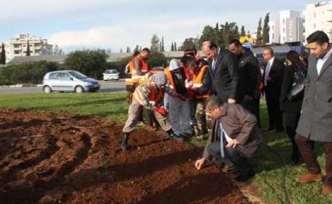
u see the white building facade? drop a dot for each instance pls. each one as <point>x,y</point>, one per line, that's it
<point>18,46</point>
<point>318,16</point>
<point>288,27</point>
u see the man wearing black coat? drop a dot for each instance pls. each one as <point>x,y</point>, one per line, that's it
<point>249,77</point>
<point>272,81</point>
<point>223,68</point>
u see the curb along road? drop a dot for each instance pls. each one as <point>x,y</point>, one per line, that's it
<point>40,85</point>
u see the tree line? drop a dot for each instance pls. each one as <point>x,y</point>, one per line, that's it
<point>221,34</point>
<point>92,63</point>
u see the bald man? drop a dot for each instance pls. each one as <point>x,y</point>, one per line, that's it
<point>223,68</point>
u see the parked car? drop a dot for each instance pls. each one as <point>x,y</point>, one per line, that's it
<point>69,81</point>
<point>110,74</point>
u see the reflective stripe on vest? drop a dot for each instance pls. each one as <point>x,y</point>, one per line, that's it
<point>144,68</point>
<point>170,78</point>
<point>153,98</point>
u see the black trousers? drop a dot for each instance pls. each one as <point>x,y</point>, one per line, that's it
<point>252,107</point>
<point>291,121</point>
<point>275,114</point>
<point>232,155</point>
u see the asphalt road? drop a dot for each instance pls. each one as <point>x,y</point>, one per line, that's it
<point>109,86</point>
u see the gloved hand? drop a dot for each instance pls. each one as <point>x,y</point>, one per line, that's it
<point>181,97</point>
<point>161,110</point>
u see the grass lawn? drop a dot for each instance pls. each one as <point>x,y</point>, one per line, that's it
<point>274,180</point>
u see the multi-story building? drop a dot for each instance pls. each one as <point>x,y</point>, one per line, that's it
<point>18,46</point>
<point>318,16</point>
<point>288,27</point>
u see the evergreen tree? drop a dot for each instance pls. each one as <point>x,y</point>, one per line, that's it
<point>266,29</point>
<point>162,44</point>
<point>3,54</point>
<point>259,32</point>
<point>175,48</point>
<point>172,47</point>
<point>235,32</point>
<point>28,49</point>
<point>154,43</point>
<point>136,48</point>
<point>128,49</point>
<point>188,43</point>
<point>121,50</point>
<point>208,33</point>
<point>216,37</point>
<point>243,31</point>
<point>220,40</point>
<point>226,35</point>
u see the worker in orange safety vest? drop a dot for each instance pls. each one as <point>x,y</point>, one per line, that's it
<point>178,99</point>
<point>137,68</point>
<point>199,84</point>
<point>150,96</point>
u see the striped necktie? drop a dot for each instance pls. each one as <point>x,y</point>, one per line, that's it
<point>221,138</point>
<point>213,65</point>
<point>267,72</point>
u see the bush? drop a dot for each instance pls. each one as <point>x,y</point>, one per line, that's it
<point>26,73</point>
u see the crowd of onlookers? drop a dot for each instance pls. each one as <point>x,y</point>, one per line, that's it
<point>219,97</point>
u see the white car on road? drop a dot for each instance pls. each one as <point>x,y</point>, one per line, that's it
<point>111,74</point>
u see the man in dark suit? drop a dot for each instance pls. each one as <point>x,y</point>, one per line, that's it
<point>223,67</point>
<point>272,81</point>
<point>316,117</point>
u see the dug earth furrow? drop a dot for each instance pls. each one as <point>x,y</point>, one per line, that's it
<point>65,158</point>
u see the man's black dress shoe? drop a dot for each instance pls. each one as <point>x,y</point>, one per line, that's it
<point>268,130</point>
<point>245,177</point>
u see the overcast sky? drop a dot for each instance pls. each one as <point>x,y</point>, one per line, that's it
<point>112,24</point>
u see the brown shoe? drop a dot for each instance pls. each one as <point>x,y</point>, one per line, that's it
<point>228,169</point>
<point>199,137</point>
<point>326,190</point>
<point>306,178</point>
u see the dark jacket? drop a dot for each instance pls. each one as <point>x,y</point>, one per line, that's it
<point>285,104</point>
<point>316,118</point>
<point>273,89</point>
<point>225,76</point>
<point>248,77</point>
<point>179,82</point>
<point>241,125</point>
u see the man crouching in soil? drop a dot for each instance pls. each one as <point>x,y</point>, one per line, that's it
<point>235,136</point>
<point>150,95</point>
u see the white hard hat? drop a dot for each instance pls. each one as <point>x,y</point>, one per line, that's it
<point>174,64</point>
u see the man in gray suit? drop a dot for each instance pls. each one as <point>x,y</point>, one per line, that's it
<point>316,119</point>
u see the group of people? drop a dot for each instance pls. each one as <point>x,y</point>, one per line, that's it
<point>227,88</point>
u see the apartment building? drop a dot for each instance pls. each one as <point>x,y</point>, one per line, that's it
<point>288,27</point>
<point>318,16</point>
<point>18,46</point>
